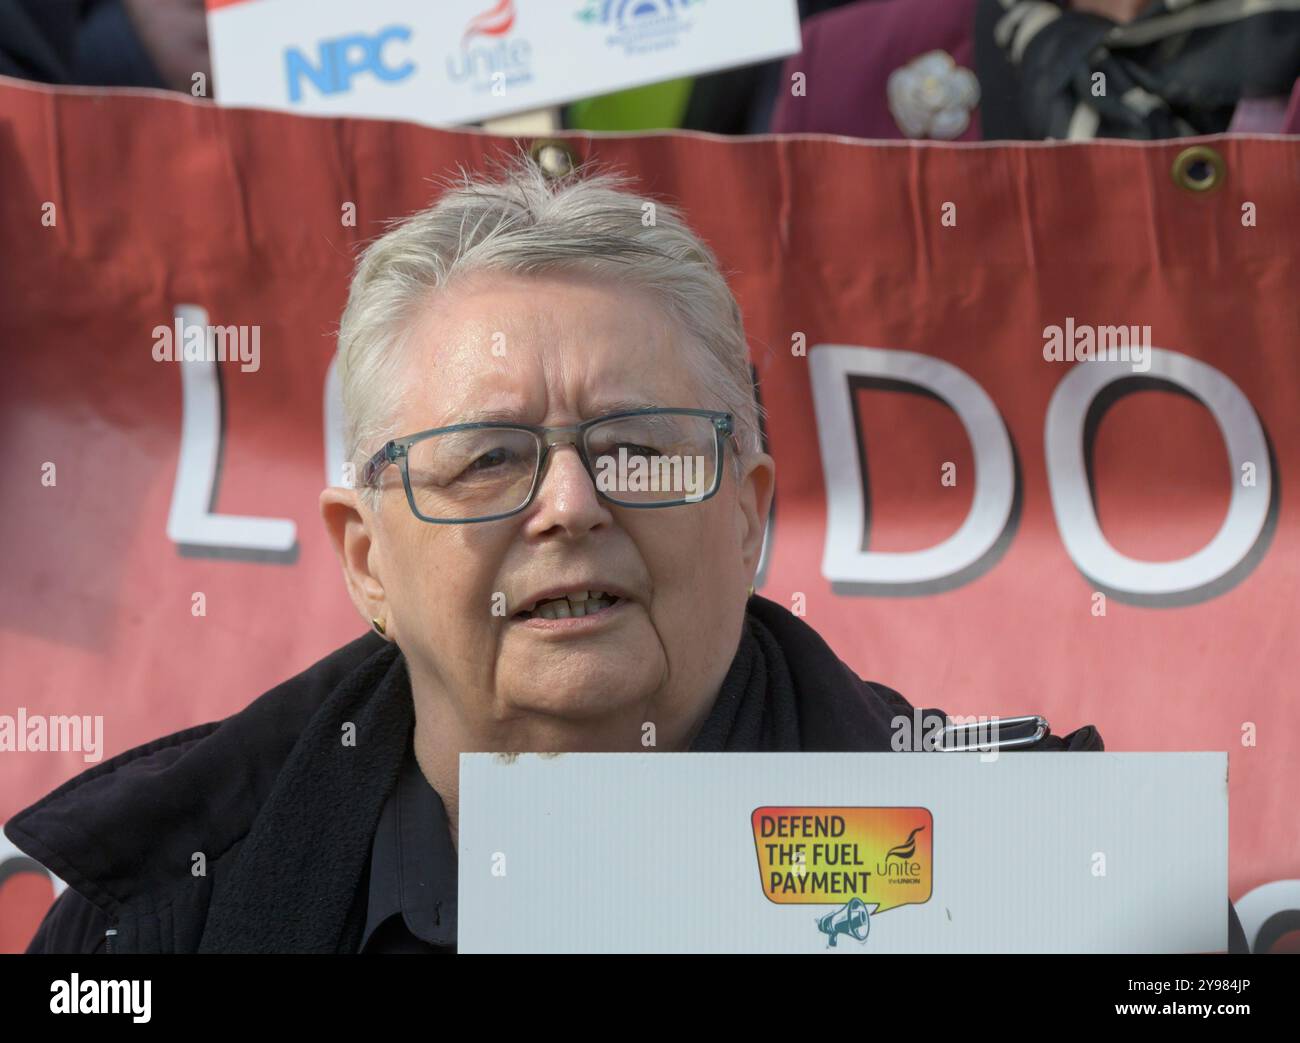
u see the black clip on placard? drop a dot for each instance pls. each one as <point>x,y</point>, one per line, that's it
<point>978,735</point>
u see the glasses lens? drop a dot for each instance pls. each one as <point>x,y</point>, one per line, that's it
<point>655,458</point>
<point>471,474</point>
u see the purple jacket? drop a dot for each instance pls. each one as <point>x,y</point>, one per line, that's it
<point>849,56</point>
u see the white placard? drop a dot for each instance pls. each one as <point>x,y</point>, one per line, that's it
<point>458,61</point>
<point>1031,852</point>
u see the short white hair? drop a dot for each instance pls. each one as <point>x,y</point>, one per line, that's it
<point>526,222</point>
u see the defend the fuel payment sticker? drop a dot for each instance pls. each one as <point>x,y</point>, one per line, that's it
<point>864,861</point>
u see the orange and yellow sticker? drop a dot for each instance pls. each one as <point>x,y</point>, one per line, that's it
<point>819,856</point>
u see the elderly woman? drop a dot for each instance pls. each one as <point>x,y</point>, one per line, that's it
<point>557,517</point>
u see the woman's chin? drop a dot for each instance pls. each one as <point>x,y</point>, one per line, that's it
<point>601,690</point>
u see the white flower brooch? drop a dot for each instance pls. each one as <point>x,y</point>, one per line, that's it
<point>932,96</point>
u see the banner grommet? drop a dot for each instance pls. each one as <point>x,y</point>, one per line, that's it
<point>1199,169</point>
<point>555,158</point>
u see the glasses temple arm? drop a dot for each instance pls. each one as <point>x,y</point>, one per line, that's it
<point>371,468</point>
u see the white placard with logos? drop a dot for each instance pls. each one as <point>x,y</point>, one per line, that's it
<point>844,853</point>
<point>459,61</point>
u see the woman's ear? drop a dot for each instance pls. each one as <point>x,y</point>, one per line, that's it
<point>350,524</point>
<point>756,488</point>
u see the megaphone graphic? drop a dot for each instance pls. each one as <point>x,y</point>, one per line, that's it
<point>853,920</point>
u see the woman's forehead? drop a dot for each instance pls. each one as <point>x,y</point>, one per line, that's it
<point>536,400</point>
<point>506,348</point>
<point>544,307</point>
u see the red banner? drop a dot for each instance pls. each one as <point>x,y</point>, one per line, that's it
<point>972,506</point>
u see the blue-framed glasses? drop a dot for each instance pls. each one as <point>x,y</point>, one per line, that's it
<point>487,471</point>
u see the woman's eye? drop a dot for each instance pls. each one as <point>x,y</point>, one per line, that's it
<point>489,460</point>
<point>638,450</point>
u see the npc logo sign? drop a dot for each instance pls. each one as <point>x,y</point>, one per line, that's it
<point>864,861</point>
<point>339,61</point>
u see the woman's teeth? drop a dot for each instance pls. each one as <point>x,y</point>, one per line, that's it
<point>578,603</point>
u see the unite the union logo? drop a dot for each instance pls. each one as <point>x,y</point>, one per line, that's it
<point>491,59</point>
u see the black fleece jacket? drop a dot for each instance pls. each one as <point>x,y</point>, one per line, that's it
<point>253,834</point>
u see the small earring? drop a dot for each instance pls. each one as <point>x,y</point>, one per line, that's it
<point>751,590</point>
<point>379,628</point>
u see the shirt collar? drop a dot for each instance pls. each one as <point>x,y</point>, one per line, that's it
<point>413,864</point>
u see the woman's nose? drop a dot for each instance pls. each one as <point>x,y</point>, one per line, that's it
<point>566,494</point>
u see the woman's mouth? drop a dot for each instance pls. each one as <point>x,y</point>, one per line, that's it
<point>577,604</point>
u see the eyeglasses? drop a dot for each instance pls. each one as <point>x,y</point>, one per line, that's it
<point>487,471</point>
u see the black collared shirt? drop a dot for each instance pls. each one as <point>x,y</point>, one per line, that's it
<point>412,890</point>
